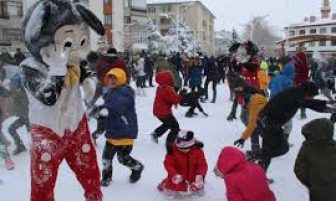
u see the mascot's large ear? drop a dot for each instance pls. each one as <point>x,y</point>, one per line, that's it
<point>37,21</point>
<point>91,19</point>
<point>234,47</point>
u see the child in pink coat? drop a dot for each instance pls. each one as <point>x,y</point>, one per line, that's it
<point>244,181</point>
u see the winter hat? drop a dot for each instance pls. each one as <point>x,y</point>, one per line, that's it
<point>310,88</point>
<point>185,139</point>
<point>119,74</point>
<point>238,82</point>
<point>112,52</point>
<point>318,129</point>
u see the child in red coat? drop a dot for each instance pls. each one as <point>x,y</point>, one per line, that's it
<point>186,166</point>
<point>165,99</point>
<point>244,181</point>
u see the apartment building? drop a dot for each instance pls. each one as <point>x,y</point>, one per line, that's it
<point>193,13</point>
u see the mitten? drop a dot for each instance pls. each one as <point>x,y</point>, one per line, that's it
<point>199,182</point>
<point>239,143</point>
<point>177,179</point>
<point>56,58</point>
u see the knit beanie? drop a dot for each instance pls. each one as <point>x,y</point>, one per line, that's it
<point>185,139</point>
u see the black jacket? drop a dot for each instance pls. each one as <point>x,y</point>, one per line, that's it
<point>282,107</point>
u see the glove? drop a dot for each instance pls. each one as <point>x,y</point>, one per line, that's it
<point>231,117</point>
<point>104,112</point>
<point>205,114</point>
<point>56,58</point>
<point>239,143</point>
<point>333,118</point>
<point>177,179</point>
<point>72,77</point>
<point>217,172</point>
<point>199,182</point>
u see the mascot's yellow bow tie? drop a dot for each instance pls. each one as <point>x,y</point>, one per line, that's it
<point>72,77</point>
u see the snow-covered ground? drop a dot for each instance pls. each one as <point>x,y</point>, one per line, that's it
<point>214,131</point>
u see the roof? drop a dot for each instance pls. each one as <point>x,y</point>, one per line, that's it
<point>166,2</point>
<point>317,22</point>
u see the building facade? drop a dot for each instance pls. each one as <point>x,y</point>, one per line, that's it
<point>194,13</point>
<point>311,27</point>
<point>125,23</point>
<point>11,13</point>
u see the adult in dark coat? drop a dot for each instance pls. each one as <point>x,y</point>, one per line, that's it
<point>272,118</point>
<point>108,62</point>
<point>212,75</point>
<point>315,165</point>
<point>149,70</point>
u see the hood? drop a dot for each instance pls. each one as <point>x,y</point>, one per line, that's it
<point>119,74</point>
<point>318,129</point>
<point>165,78</point>
<point>229,159</point>
<point>289,70</point>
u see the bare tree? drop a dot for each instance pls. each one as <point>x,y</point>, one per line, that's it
<point>261,33</point>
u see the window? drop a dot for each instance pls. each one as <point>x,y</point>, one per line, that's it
<point>11,8</point>
<point>108,1</point>
<point>108,19</point>
<point>333,29</point>
<point>323,30</point>
<point>312,44</point>
<point>204,23</point>
<point>333,43</point>
<point>323,43</point>
<point>152,9</point>
<point>12,35</point>
<point>292,33</point>
<point>165,21</point>
<point>302,32</point>
<point>127,20</point>
<point>312,31</point>
<point>142,4</point>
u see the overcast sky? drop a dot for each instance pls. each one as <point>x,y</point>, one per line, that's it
<point>235,13</point>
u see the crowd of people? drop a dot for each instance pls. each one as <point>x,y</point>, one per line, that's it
<point>262,87</point>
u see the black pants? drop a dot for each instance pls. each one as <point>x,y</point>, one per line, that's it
<point>140,81</point>
<point>149,77</point>
<point>100,128</point>
<point>195,105</point>
<point>274,144</point>
<point>214,88</point>
<point>12,129</point>
<point>168,123</point>
<point>123,154</point>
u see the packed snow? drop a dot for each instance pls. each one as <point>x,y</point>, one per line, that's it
<point>215,131</point>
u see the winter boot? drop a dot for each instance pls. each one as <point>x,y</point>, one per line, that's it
<point>136,173</point>
<point>19,148</point>
<point>155,138</point>
<point>189,114</point>
<point>9,164</point>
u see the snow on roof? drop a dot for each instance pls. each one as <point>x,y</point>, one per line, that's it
<point>316,22</point>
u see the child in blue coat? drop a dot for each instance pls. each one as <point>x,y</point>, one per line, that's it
<point>121,126</point>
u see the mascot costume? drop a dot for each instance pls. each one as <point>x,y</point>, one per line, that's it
<point>56,34</point>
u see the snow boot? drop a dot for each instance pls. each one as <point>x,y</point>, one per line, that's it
<point>136,173</point>
<point>105,183</point>
<point>19,148</point>
<point>9,164</point>
<point>189,114</point>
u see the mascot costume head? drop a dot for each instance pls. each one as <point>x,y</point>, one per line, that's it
<point>56,32</point>
<point>243,52</point>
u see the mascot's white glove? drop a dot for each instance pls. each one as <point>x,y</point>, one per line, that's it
<point>177,179</point>
<point>56,58</point>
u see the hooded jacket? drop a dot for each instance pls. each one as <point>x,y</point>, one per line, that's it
<point>315,165</point>
<point>290,101</point>
<point>165,96</point>
<point>301,68</point>
<point>189,165</point>
<point>244,181</point>
<point>121,122</point>
<point>282,81</point>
